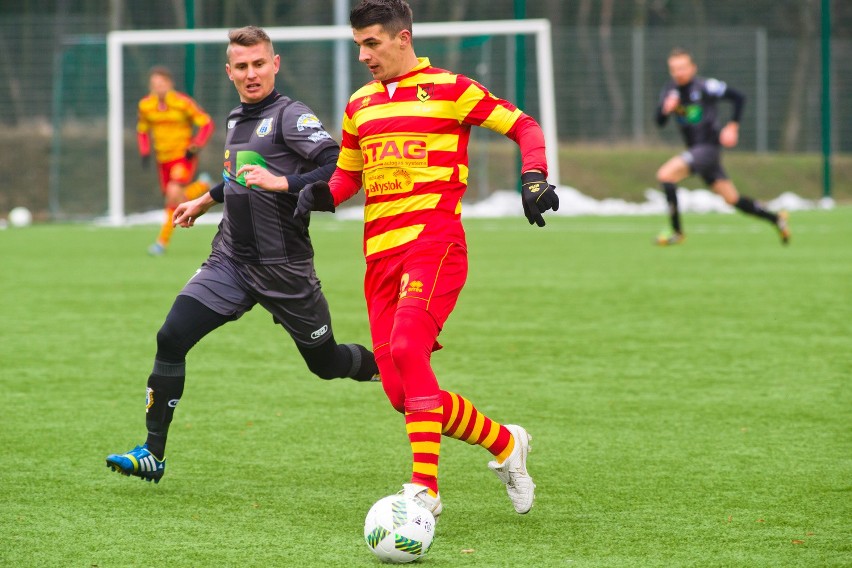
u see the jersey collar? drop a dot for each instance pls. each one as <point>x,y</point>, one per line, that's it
<point>422,63</point>
<point>270,98</point>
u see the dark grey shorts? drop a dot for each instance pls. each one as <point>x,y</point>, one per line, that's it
<point>290,292</point>
<point>706,161</point>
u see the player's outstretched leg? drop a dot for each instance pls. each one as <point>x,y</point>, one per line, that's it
<point>138,462</point>
<point>508,444</point>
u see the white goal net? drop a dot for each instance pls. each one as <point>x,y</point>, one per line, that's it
<point>316,63</point>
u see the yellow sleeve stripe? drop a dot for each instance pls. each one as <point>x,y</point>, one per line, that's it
<point>349,126</point>
<point>393,238</point>
<point>366,91</point>
<point>425,447</point>
<point>404,205</point>
<point>351,160</point>
<point>501,119</point>
<point>468,100</point>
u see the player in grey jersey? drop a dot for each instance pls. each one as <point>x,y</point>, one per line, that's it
<point>692,101</point>
<point>274,146</point>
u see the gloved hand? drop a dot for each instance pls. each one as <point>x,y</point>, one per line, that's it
<point>190,153</point>
<point>314,197</point>
<point>146,161</point>
<point>537,197</point>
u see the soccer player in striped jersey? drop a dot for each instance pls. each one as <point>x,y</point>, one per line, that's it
<point>177,128</point>
<point>692,101</point>
<point>405,137</point>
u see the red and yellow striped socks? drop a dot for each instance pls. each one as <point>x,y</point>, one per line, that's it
<point>462,421</point>
<point>424,433</point>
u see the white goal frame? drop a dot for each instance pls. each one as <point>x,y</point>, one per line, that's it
<point>116,41</point>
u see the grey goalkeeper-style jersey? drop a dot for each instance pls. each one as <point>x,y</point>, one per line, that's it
<point>284,136</point>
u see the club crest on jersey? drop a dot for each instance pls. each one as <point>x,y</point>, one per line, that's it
<point>424,91</point>
<point>308,121</point>
<point>365,101</point>
<point>264,128</point>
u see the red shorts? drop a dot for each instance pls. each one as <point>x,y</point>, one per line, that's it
<point>181,170</point>
<point>429,276</point>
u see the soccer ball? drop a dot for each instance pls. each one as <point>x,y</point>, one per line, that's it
<point>20,217</point>
<point>399,529</point>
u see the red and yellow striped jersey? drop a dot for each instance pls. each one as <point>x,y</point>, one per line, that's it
<point>408,149</point>
<point>171,124</point>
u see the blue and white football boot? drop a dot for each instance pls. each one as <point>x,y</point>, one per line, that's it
<point>139,462</point>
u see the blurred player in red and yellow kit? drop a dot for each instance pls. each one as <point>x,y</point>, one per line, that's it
<point>405,137</point>
<point>179,128</point>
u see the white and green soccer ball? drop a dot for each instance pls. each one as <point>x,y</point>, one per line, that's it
<point>398,529</point>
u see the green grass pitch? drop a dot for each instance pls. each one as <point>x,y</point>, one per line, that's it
<point>689,406</point>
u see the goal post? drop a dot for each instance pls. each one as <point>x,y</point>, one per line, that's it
<point>117,40</point>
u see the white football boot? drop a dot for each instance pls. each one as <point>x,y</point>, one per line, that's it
<point>513,471</point>
<point>421,494</point>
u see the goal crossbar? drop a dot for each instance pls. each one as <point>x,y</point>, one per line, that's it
<point>116,41</point>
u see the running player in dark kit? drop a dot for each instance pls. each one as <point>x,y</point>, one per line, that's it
<point>692,100</point>
<point>274,146</point>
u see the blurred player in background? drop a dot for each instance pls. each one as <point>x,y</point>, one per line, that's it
<point>179,128</point>
<point>274,146</point>
<point>405,138</point>
<point>693,102</point>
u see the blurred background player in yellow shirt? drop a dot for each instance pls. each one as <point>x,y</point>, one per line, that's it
<point>178,128</point>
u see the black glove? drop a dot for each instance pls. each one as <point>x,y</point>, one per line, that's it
<point>146,161</point>
<point>314,197</point>
<point>190,153</point>
<point>537,196</point>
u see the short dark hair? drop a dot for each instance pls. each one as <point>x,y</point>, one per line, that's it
<point>678,52</point>
<point>162,71</point>
<point>393,15</point>
<point>247,37</point>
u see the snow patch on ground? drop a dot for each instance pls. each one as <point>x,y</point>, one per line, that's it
<point>507,203</point>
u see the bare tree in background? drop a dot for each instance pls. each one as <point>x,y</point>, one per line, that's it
<point>793,121</point>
